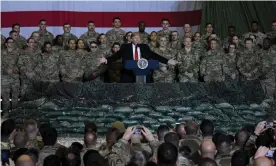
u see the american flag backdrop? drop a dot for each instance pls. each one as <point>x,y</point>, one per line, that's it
<point>78,13</point>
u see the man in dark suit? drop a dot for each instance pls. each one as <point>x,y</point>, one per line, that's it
<point>134,51</point>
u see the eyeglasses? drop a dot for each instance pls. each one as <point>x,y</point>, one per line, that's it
<point>94,47</point>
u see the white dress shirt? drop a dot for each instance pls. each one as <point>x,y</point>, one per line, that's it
<point>139,52</point>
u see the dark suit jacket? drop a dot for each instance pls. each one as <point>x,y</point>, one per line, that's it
<point>126,53</point>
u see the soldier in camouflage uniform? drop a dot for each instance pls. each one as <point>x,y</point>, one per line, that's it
<point>104,47</point>
<point>199,45</point>
<point>214,36</point>
<point>143,35</point>
<point>35,139</point>
<point>80,48</point>
<point>175,43</point>
<point>38,41</point>
<point>239,44</point>
<point>272,49</point>
<point>114,69</point>
<point>165,73</point>
<point>211,67</point>
<point>255,44</point>
<point>58,44</point>
<point>45,36</point>
<point>67,35</point>
<point>127,37</point>
<point>116,34</point>
<point>153,40</point>
<point>248,62</point>
<point>255,31</point>
<point>14,35</point>
<point>165,29</point>
<point>22,40</point>
<point>10,74</point>
<point>230,63</point>
<point>228,39</point>
<point>71,66</point>
<point>92,69</point>
<point>189,63</point>
<point>209,30</point>
<point>272,34</point>
<point>26,63</point>
<point>90,35</point>
<point>187,31</point>
<point>268,69</point>
<point>3,39</point>
<point>48,68</point>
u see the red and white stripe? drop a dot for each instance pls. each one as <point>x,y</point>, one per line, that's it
<point>77,13</point>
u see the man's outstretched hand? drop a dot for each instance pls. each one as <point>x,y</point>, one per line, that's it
<point>103,60</point>
<point>172,62</point>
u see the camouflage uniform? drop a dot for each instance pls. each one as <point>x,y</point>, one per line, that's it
<point>211,67</point>
<point>271,35</point>
<point>177,45</point>
<point>199,47</point>
<point>10,77</point>
<point>165,73</point>
<point>66,37</point>
<point>26,63</point>
<point>81,52</point>
<point>22,41</point>
<point>71,66</point>
<point>45,36</point>
<point>205,37</point>
<point>223,160</point>
<point>192,141</point>
<point>104,150</point>
<point>272,49</point>
<point>3,39</point>
<point>47,151</point>
<point>152,46</point>
<point>120,154</point>
<point>259,37</point>
<point>48,68</point>
<point>183,161</point>
<point>36,143</point>
<point>92,66</point>
<point>105,50</point>
<point>268,71</point>
<point>57,48</point>
<point>115,35</point>
<point>249,65</point>
<point>230,67</point>
<point>89,37</point>
<point>166,33</point>
<point>144,37</point>
<point>189,67</point>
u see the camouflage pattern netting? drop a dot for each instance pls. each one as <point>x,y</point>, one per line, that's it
<point>68,106</point>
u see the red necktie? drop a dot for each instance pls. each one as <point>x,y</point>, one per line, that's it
<point>136,57</point>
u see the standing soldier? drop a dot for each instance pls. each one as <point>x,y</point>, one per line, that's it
<point>255,31</point>
<point>14,35</point>
<point>198,44</point>
<point>272,34</point>
<point>189,62</point>
<point>144,35</point>
<point>214,36</point>
<point>47,69</point>
<point>209,30</point>
<point>90,35</point>
<point>26,63</point>
<point>104,47</point>
<point>114,69</point>
<point>187,31</point>
<point>228,39</point>
<point>165,73</point>
<point>71,66</point>
<point>153,40</point>
<point>249,62</point>
<point>45,36</point>
<point>116,34</point>
<point>10,74</point>
<point>67,35</point>
<point>175,43</point>
<point>211,67</point>
<point>38,41</point>
<point>80,48</point>
<point>230,63</point>
<point>22,40</point>
<point>58,43</point>
<point>165,29</point>
<point>268,70</point>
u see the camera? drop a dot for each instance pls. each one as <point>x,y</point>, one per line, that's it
<point>270,125</point>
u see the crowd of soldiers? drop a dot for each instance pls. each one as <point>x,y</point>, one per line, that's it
<point>201,57</point>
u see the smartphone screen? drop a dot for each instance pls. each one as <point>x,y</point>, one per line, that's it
<point>137,131</point>
<point>5,155</point>
<point>270,154</point>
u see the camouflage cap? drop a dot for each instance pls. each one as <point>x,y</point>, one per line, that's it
<point>119,125</point>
